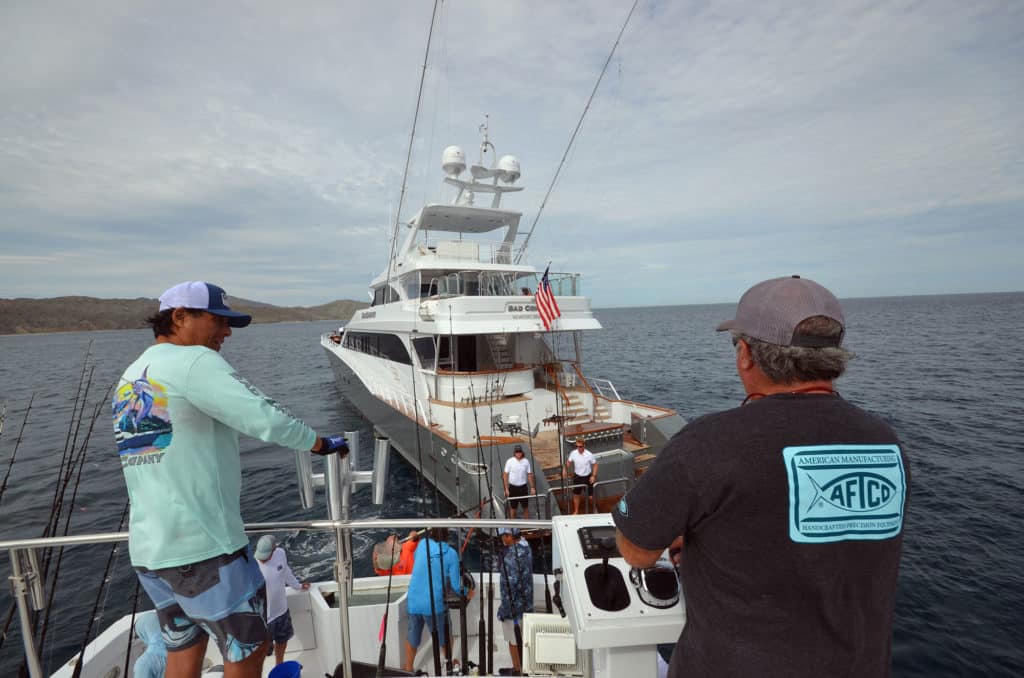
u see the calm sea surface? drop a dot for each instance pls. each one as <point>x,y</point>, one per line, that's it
<point>944,370</point>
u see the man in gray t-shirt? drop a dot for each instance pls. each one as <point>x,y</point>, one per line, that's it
<point>785,514</point>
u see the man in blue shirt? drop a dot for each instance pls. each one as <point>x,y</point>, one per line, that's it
<point>178,410</point>
<point>425,601</point>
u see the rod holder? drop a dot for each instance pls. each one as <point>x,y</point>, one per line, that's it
<point>381,457</point>
<point>23,587</point>
<point>304,470</point>
<point>352,437</point>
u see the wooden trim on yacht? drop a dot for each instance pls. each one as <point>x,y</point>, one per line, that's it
<point>481,401</point>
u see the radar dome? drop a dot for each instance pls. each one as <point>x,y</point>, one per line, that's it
<point>453,161</point>
<point>509,166</point>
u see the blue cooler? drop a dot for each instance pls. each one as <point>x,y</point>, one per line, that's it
<point>289,669</point>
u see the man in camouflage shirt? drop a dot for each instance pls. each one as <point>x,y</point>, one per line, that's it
<point>516,590</point>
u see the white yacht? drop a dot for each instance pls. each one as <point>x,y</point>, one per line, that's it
<point>454,363</point>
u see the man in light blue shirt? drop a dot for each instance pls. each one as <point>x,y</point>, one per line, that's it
<point>426,596</point>
<point>178,410</point>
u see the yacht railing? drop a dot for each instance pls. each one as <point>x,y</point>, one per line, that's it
<point>603,388</point>
<point>25,575</point>
<point>483,251</point>
<point>499,284</point>
<point>558,489</point>
<point>479,284</point>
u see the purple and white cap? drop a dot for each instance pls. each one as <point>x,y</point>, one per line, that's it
<point>203,296</point>
<point>771,310</point>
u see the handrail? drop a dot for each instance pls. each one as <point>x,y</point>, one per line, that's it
<point>596,387</point>
<point>319,525</point>
<point>503,502</point>
<point>558,488</point>
<point>20,579</point>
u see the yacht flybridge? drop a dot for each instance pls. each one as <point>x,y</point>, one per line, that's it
<point>452,361</point>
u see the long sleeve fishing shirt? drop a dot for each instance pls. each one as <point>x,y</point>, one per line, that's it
<point>178,411</point>
<point>278,575</point>
<point>419,589</point>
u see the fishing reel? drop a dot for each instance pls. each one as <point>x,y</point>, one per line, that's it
<point>453,599</point>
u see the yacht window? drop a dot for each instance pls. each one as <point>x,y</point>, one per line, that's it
<point>429,289</point>
<point>387,346</point>
<point>444,354</point>
<point>425,350</point>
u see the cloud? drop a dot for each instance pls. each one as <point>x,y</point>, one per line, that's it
<point>157,142</point>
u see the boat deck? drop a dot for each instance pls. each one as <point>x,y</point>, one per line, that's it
<point>546,456</point>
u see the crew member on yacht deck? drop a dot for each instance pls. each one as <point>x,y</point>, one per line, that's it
<point>274,567</point>
<point>518,477</point>
<point>177,413</point>
<point>426,599</point>
<point>584,468</point>
<point>516,582</point>
<point>394,555</point>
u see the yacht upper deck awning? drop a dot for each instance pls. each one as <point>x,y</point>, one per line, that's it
<point>464,219</point>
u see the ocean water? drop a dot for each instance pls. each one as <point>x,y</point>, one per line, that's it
<point>944,370</point>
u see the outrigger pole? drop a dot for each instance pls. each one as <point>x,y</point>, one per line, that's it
<point>572,139</point>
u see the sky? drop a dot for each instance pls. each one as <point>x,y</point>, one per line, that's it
<point>874,147</point>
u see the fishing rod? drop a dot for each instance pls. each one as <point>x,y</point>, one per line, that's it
<point>543,555</point>
<point>114,552</point>
<point>436,650</point>
<point>383,636</point>
<point>408,154</point>
<point>69,446</point>
<point>83,451</point>
<point>482,625</point>
<point>65,472</point>
<point>445,584</point>
<point>17,442</point>
<point>131,628</point>
<point>66,468</point>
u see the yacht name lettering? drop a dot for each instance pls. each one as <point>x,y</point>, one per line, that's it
<point>368,314</point>
<point>137,460</point>
<point>519,308</point>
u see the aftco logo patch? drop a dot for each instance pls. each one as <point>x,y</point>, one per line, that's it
<point>845,492</point>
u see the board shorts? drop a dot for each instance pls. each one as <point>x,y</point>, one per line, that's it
<point>418,621</point>
<point>518,491</point>
<point>224,597</point>
<point>280,628</point>
<point>582,480</point>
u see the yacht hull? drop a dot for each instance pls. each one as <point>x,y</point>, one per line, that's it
<point>452,470</point>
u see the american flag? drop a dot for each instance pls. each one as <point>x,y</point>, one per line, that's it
<point>547,307</point>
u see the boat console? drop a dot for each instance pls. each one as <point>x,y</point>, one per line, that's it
<point>618,612</point>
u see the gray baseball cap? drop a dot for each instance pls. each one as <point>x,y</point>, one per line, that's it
<point>771,310</point>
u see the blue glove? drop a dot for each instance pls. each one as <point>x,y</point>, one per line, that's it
<point>332,444</point>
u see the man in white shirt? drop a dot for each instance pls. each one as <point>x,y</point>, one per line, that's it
<point>274,566</point>
<point>518,477</point>
<point>584,468</point>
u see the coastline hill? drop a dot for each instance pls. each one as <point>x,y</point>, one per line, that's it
<point>78,314</point>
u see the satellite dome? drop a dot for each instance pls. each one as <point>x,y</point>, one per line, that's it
<point>453,161</point>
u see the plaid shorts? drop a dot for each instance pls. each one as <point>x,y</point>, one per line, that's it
<point>280,628</point>
<point>224,597</point>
